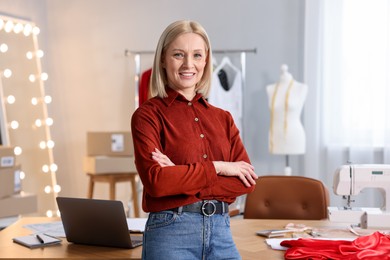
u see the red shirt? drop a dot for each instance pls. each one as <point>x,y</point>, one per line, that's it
<point>192,134</point>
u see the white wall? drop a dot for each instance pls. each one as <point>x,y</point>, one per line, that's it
<point>90,79</point>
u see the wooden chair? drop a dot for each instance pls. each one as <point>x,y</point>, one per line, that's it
<point>287,197</point>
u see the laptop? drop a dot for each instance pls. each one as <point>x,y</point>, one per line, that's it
<point>96,222</point>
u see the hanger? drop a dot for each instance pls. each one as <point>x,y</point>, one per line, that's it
<point>227,62</point>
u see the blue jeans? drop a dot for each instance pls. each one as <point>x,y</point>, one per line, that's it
<point>186,236</point>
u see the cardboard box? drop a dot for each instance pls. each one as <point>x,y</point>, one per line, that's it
<point>18,204</point>
<point>7,182</point>
<point>108,164</point>
<point>110,144</point>
<point>7,156</point>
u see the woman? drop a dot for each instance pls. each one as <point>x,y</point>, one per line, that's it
<point>189,154</point>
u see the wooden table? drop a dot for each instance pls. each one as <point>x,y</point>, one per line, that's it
<point>248,243</point>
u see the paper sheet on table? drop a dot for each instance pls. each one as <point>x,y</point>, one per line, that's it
<point>274,243</point>
<point>56,228</point>
<point>136,224</point>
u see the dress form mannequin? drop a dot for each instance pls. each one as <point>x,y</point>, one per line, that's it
<point>286,100</point>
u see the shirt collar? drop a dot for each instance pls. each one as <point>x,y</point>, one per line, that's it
<point>174,95</point>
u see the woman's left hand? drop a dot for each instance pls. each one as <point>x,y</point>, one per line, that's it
<point>161,158</point>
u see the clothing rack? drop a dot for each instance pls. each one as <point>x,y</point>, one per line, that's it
<point>137,61</point>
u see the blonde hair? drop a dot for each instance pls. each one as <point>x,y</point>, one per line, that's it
<point>159,77</point>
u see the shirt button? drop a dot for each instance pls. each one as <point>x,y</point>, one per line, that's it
<point>205,156</point>
<point>201,135</point>
<point>189,103</point>
<point>196,119</point>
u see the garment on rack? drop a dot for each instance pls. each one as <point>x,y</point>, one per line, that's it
<point>226,92</point>
<point>222,76</point>
<point>143,89</point>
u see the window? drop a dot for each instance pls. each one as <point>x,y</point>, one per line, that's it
<point>356,72</point>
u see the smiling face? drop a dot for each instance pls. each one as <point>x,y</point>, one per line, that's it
<point>184,62</point>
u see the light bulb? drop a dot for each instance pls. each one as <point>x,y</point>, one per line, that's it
<point>47,189</point>
<point>9,25</point>
<point>7,73</point>
<point>32,78</point>
<point>38,123</point>
<point>49,121</point>
<point>27,29</point>
<point>47,99</point>
<point>45,168</point>
<point>57,188</point>
<point>18,28</point>
<point>34,101</point>
<point>50,144</point>
<point>18,150</point>
<point>42,145</point>
<point>3,47</point>
<point>36,30</point>
<point>22,175</point>
<point>39,53</point>
<point>14,124</point>
<point>53,167</point>
<point>11,99</point>
<point>49,213</point>
<point>29,55</point>
<point>44,76</point>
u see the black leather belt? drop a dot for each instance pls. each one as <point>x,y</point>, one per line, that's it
<point>205,207</point>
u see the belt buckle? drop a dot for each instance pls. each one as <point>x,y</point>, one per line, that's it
<point>204,208</point>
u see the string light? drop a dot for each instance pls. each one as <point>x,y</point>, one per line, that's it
<point>49,213</point>
<point>43,76</point>
<point>46,99</point>
<point>14,124</point>
<point>36,30</point>
<point>57,188</point>
<point>18,28</point>
<point>7,73</point>
<point>38,54</point>
<point>52,167</point>
<point>27,29</point>
<point>18,150</point>
<point>3,48</point>
<point>48,189</point>
<point>22,175</point>
<point>10,25</point>
<point>11,99</point>
<point>48,121</point>
<point>49,144</point>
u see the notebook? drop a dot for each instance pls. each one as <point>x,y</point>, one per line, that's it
<point>96,222</point>
<point>37,240</point>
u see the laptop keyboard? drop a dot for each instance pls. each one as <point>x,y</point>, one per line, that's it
<point>136,240</point>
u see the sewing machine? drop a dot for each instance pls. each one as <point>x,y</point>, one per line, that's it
<point>350,180</point>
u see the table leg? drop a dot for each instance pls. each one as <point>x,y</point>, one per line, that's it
<point>112,189</point>
<point>90,188</point>
<point>135,196</point>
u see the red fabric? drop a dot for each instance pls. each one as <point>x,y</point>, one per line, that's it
<point>192,134</point>
<point>374,247</point>
<point>143,89</point>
